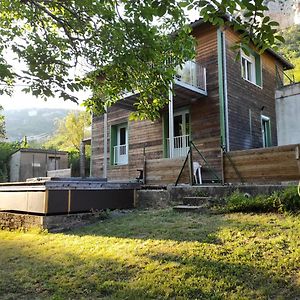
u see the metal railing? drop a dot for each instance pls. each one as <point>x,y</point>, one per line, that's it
<point>283,79</point>
<point>193,74</point>
<point>121,154</point>
<point>180,146</point>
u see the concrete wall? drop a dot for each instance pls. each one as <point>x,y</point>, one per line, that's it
<point>288,114</point>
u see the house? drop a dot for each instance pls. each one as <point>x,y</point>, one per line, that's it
<point>216,100</point>
<point>29,163</point>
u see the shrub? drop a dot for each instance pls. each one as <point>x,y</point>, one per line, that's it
<point>286,200</point>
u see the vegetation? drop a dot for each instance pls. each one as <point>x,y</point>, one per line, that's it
<point>6,149</point>
<point>156,255</point>
<point>69,45</point>
<point>291,49</point>
<point>70,131</point>
<point>285,201</point>
<point>2,125</point>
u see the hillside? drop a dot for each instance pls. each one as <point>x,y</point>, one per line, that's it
<point>36,124</point>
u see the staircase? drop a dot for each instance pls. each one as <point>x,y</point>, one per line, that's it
<point>194,204</point>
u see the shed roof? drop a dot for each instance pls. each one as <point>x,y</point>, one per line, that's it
<point>47,151</point>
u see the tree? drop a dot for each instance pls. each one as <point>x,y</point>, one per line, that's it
<point>6,150</point>
<point>126,45</point>
<point>2,124</point>
<point>291,49</point>
<point>71,130</point>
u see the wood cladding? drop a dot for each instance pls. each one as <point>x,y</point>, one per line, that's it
<point>166,171</point>
<point>265,165</point>
<point>205,127</point>
<point>247,101</point>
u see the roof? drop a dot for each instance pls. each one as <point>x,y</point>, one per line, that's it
<point>46,151</point>
<point>286,64</point>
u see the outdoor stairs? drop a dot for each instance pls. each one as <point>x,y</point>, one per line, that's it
<point>194,204</point>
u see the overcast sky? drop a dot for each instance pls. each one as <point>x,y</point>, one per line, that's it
<point>20,100</point>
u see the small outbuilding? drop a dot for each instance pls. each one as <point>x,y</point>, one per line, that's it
<point>29,163</point>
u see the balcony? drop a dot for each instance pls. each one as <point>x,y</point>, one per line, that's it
<point>189,85</point>
<point>191,75</point>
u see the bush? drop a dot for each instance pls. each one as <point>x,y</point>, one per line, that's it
<point>6,149</point>
<point>74,163</point>
<point>286,200</point>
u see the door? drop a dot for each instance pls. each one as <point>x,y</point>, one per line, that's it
<point>181,133</point>
<point>122,147</point>
<point>266,131</point>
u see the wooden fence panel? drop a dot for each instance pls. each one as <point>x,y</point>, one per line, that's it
<point>165,171</point>
<point>265,165</point>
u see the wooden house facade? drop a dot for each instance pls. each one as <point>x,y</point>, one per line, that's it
<point>216,100</point>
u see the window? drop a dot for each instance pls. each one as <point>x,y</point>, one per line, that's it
<point>266,131</point>
<point>251,67</point>
<point>119,144</point>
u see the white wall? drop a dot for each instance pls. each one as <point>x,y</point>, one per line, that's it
<point>288,114</point>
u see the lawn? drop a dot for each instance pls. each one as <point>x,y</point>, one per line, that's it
<point>157,255</point>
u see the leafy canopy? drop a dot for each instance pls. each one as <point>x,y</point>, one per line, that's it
<point>63,46</point>
<point>2,124</point>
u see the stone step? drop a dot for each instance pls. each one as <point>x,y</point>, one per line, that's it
<point>189,208</point>
<point>194,201</point>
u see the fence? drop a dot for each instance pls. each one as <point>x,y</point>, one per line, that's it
<point>266,165</point>
<point>165,171</point>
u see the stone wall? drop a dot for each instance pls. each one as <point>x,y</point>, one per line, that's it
<point>18,221</point>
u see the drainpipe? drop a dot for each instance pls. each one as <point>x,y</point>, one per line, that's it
<point>105,144</point>
<point>171,122</point>
<point>225,91</point>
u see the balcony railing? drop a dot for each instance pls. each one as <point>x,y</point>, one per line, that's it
<point>193,74</point>
<point>189,74</point>
<point>283,79</point>
<point>180,146</point>
<point>121,154</point>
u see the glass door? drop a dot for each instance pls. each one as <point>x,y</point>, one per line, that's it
<point>181,133</point>
<point>121,152</point>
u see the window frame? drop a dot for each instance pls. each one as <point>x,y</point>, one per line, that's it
<point>254,59</point>
<point>115,141</point>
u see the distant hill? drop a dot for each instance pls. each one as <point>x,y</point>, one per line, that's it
<point>36,124</point>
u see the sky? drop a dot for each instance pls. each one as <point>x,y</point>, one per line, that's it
<point>20,100</point>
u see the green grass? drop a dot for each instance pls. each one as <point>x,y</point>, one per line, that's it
<point>157,255</point>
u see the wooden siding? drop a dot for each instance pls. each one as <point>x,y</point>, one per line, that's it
<point>140,134</point>
<point>244,96</point>
<point>205,125</point>
<point>165,171</point>
<point>265,165</point>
